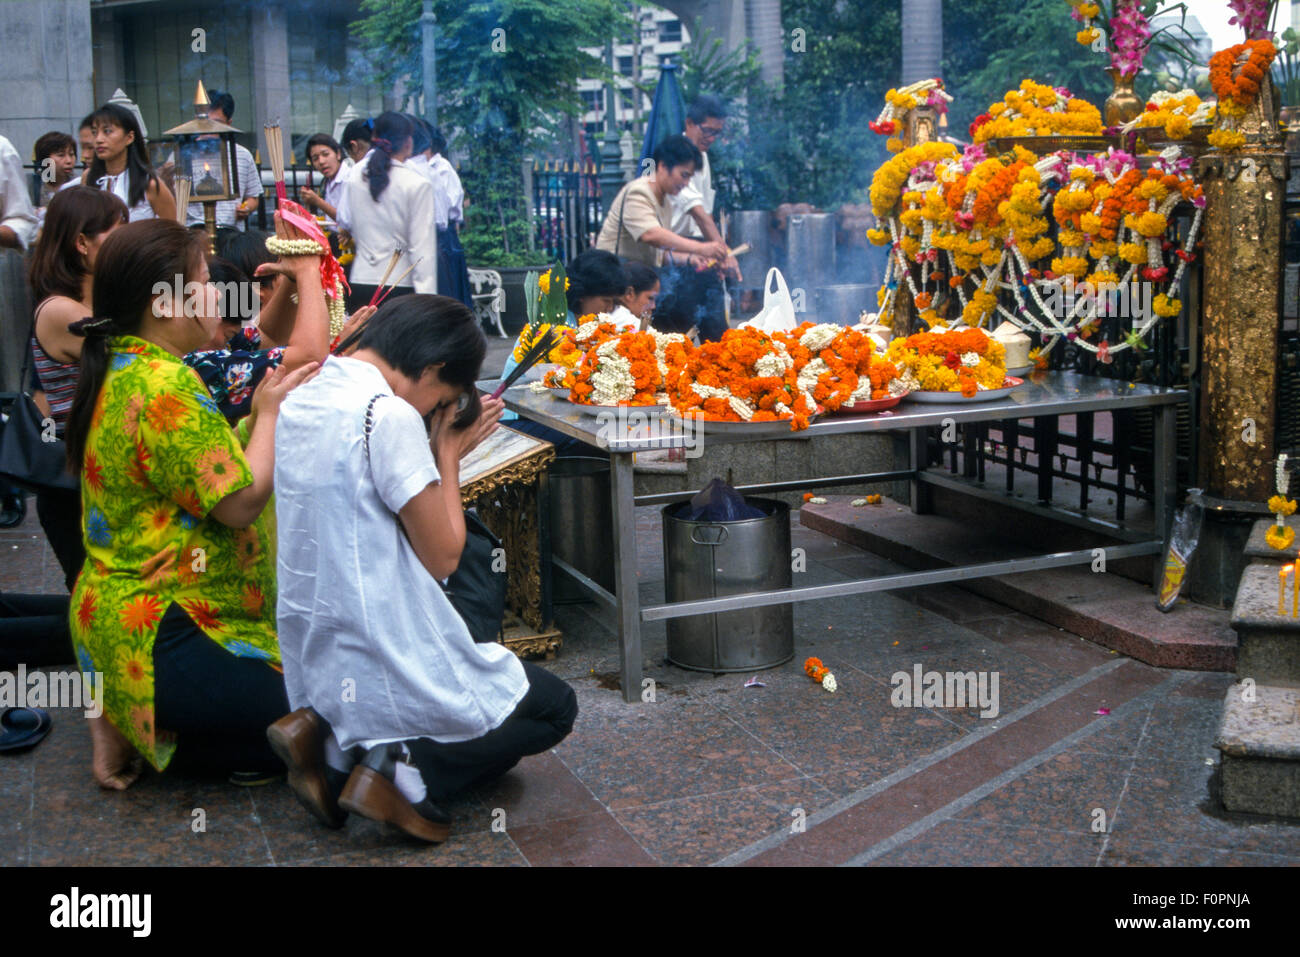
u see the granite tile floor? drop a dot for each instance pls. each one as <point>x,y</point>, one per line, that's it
<point>714,772</point>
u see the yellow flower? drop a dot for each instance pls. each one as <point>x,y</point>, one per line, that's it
<point>1280,537</point>
<point>1279,505</point>
<point>1227,139</point>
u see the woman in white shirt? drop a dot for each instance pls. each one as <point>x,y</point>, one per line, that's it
<point>122,166</point>
<point>394,696</point>
<point>390,208</point>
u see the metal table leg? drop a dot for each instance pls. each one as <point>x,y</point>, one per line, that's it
<point>625,582</point>
<point>917,453</point>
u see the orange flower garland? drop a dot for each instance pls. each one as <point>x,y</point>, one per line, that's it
<point>1236,94</point>
<point>745,377</point>
<point>963,361</point>
<point>621,370</point>
<point>835,373</point>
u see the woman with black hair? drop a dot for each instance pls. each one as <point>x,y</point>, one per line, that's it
<point>637,303</point>
<point>389,208</point>
<point>637,224</point>
<point>175,605</point>
<point>122,166</point>
<point>399,708</point>
<point>62,273</point>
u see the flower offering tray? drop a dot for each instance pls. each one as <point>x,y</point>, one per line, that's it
<point>956,398</point>
<point>586,409</point>
<point>871,405</point>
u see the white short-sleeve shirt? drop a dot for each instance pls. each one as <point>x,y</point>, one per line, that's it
<point>367,636</point>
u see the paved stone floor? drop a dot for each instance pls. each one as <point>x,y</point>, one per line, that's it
<point>713,772</point>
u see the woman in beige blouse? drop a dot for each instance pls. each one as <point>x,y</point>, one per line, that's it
<point>636,227</point>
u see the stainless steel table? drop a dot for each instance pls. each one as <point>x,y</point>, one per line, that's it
<point>1057,394</point>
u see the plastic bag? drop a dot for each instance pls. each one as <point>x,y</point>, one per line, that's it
<point>719,502</point>
<point>1178,554</point>
<point>777,314</point>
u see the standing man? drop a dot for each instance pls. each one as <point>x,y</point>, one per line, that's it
<point>229,212</point>
<point>18,221</point>
<point>692,297</point>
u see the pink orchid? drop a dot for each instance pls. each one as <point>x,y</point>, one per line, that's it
<point>1252,16</point>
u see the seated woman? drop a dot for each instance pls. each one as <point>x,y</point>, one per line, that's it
<point>370,520</point>
<point>61,273</point>
<point>175,603</point>
<point>595,282</point>
<point>636,305</point>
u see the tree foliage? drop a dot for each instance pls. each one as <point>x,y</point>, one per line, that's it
<point>508,75</point>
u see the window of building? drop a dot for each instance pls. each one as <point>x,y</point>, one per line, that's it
<point>625,65</point>
<point>593,100</point>
<point>670,31</point>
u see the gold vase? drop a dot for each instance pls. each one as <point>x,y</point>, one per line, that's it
<point>1123,104</point>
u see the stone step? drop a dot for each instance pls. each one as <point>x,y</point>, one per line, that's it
<point>1268,643</point>
<point>1257,549</point>
<point>1259,741</point>
<point>1110,609</point>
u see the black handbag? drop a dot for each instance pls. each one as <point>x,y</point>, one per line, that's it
<point>30,455</point>
<point>475,589</point>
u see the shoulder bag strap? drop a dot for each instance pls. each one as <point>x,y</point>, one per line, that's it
<point>370,422</point>
<point>618,236</point>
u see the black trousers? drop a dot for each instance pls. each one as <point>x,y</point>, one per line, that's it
<point>59,513</point>
<point>34,631</point>
<point>540,721</point>
<point>218,705</point>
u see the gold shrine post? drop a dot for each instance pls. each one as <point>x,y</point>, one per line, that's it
<point>1242,266</point>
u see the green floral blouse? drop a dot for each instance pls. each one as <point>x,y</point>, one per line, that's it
<point>158,458</point>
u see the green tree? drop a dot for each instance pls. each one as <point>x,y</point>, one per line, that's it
<point>507,78</point>
<point>808,141</point>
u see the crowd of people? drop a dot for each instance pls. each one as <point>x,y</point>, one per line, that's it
<point>261,525</point>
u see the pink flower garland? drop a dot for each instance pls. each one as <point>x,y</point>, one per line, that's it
<point>1252,16</point>
<point>1129,35</point>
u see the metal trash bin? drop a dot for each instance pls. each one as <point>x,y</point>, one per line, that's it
<point>715,559</point>
<point>581,518</point>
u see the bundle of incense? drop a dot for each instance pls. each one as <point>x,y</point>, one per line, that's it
<point>738,251</point>
<point>540,350</point>
<point>182,198</point>
<point>397,282</point>
<point>275,152</point>
<point>392,263</point>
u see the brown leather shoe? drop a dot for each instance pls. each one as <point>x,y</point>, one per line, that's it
<point>298,739</point>
<point>370,792</point>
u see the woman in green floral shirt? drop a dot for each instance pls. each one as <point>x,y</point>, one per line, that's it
<point>175,605</point>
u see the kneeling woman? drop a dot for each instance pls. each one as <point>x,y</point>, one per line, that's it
<point>175,604</point>
<point>370,520</point>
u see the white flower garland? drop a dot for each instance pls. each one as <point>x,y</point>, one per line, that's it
<point>309,247</point>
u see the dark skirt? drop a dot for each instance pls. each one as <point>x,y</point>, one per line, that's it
<point>453,271</point>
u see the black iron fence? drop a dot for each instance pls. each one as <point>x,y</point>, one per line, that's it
<point>566,208</point>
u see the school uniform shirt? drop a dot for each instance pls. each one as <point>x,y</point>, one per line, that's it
<point>332,193</point>
<point>367,636</point>
<point>120,186</point>
<point>423,167</point>
<point>16,210</point>
<point>446,176</point>
<point>698,192</point>
<point>344,213</point>
<point>402,219</point>
<point>634,211</point>
<point>250,185</point>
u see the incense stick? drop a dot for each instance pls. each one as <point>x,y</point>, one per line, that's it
<point>392,264</point>
<point>398,281</point>
<point>540,349</point>
<point>275,152</point>
<point>182,198</point>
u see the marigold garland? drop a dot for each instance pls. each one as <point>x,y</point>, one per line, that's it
<point>1280,537</point>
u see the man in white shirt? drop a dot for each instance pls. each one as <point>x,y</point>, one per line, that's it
<point>229,212</point>
<point>688,297</point>
<point>18,221</point>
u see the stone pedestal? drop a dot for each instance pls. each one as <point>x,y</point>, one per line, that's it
<point>1269,643</point>
<point>1259,550</point>
<point>1259,741</point>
